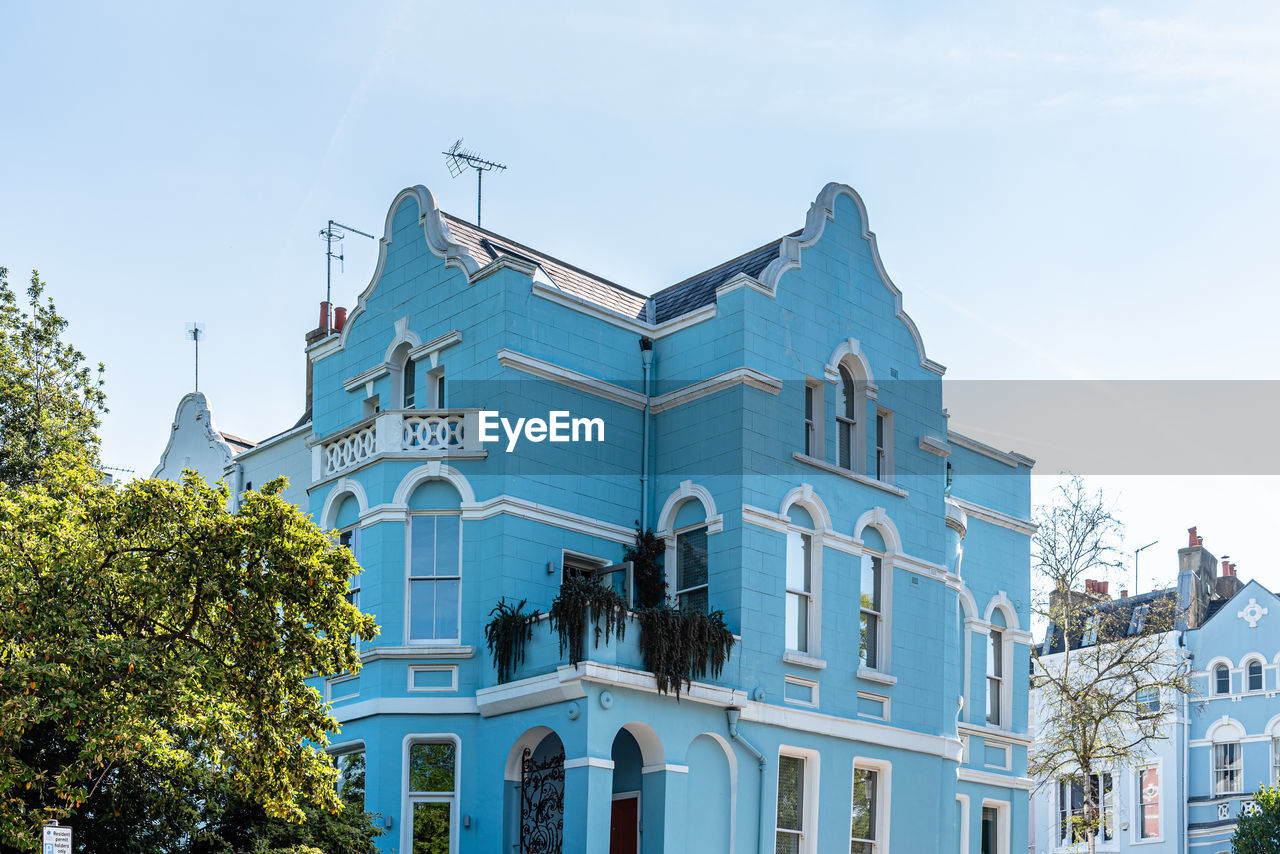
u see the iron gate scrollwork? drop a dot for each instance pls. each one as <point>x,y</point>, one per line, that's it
<point>541,804</point>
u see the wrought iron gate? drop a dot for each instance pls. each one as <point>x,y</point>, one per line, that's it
<point>541,804</point>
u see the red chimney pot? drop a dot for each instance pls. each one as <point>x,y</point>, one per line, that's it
<point>339,319</point>
<point>1124,594</point>
<point>1102,587</point>
<point>324,315</point>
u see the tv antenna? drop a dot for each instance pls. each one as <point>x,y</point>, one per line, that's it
<point>331,234</point>
<point>461,159</point>
<point>194,332</point>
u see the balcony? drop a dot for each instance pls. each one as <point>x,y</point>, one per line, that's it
<point>400,433</point>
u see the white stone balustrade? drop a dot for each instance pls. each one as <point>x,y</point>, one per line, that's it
<point>409,433</point>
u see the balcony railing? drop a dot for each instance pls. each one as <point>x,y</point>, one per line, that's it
<point>408,432</point>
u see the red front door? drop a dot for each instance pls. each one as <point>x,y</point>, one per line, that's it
<point>624,826</point>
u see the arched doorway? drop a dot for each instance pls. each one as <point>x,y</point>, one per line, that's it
<point>535,793</point>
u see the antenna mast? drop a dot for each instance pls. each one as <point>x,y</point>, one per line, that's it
<point>460,159</point>
<point>194,331</point>
<point>331,234</point>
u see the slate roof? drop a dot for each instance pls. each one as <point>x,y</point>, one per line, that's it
<point>237,444</point>
<point>678,299</point>
<point>697,291</point>
<point>1115,614</point>
<point>485,246</point>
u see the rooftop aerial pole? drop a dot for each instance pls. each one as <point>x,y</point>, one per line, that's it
<point>331,234</point>
<point>194,331</point>
<point>1136,553</point>
<point>460,159</point>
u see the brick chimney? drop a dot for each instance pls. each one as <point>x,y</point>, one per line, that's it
<point>320,332</point>
<point>1197,579</point>
<point>1228,583</point>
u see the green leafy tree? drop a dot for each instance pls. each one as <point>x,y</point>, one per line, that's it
<point>1260,833</point>
<point>148,624</point>
<point>50,401</point>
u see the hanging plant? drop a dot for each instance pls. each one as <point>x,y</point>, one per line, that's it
<point>507,632</point>
<point>680,646</point>
<point>646,557</point>
<point>582,600</point>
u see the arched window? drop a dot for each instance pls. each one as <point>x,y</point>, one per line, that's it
<point>847,422</point>
<point>871,616</point>
<point>1221,679</point>
<point>1255,675</point>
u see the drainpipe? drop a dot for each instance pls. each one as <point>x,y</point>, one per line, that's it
<point>733,713</point>
<point>646,360</point>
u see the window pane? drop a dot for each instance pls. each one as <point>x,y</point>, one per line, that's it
<point>447,541</point>
<point>1255,676</point>
<point>871,582</point>
<point>870,628</point>
<point>990,840</point>
<point>844,431</point>
<point>695,601</point>
<point>351,778</point>
<point>422,608</point>
<point>864,806</point>
<point>1224,679</point>
<point>1149,794</point>
<point>446,609</point>
<point>995,655</point>
<point>808,402</point>
<point>797,561</point>
<point>431,829</point>
<point>787,843</point>
<point>691,559</point>
<point>431,767</point>
<point>993,701</point>
<point>797,622</point>
<point>848,396</point>
<point>422,545</point>
<point>790,792</point>
<point>410,382</point>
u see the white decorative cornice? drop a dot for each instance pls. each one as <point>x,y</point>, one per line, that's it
<point>820,213</point>
<point>1009,459</point>
<point>995,517</point>
<point>435,345</point>
<point>571,378</point>
<point>935,446</point>
<point>728,379</point>
<point>998,781</point>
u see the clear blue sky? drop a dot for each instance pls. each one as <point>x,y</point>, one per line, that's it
<point>1062,191</point>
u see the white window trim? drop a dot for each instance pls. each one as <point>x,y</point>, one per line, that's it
<point>861,397</point>
<point>884,790</point>
<point>962,806</point>
<point>879,698</point>
<point>815,425</point>
<point>883,632</point>
<point>1244,677</point>
<point>1006,683</point>
<point>811,684</point>
<point>885,451</point>
<point>452,669</point>
<point>407,800</point>
<point>812,775</point>
<point>1275,759</point>
<point>1135,829</point>
<point>409,640</point>
<point>675,592</point>
<point>332,696</point>
<point>1213,768</point>
<point>814,621</point>
<point>1003,841</point>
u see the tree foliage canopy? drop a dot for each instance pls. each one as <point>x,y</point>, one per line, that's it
<point>1260,833</point>
<point>148,622</point>
<point>50,401</point>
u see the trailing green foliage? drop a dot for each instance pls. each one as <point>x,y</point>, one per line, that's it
<point>582,600</point>
<point>647,573</point>
<point>1259,833</point>
<point>680,646</point>
<point>507,632</point>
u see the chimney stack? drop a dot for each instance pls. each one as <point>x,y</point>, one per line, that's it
<point>1196,540</point>
<point>321,331</point>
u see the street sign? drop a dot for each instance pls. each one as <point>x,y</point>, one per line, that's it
<point>57,840</point>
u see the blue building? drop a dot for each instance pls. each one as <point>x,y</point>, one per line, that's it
<point>776,422</point>
<point>1221,743</point>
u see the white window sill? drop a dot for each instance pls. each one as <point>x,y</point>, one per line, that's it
<point>876,676</point>
<point>800,658</point>
<point>866,480</point>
